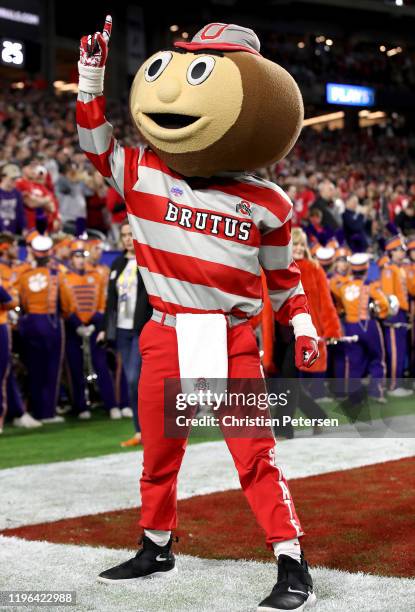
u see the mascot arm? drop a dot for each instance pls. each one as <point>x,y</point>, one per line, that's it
<point>282,274</point>
<point>94,131</point>
<point>286,293</point>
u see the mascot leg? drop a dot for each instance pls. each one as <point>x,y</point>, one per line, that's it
<point>261,479</point>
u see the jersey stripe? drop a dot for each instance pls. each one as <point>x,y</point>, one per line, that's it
<point>170,238</point>
<point>198,272</point>
<point>192,295</point>
<point>283,279</point>
<point>155,182</point>
<point>266,197</point>
<point>199,242</point>
<point>90,111</point>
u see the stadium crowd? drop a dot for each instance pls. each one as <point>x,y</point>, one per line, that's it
<point>354,220</point>
<point>313,60</point>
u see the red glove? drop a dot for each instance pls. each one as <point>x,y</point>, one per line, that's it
<point>94,47</point>
<point>306,351</point>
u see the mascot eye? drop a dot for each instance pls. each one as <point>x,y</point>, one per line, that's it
<point>157,66</point>
<point>200,69</point>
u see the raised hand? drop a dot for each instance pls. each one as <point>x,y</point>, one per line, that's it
<point>94,47</point>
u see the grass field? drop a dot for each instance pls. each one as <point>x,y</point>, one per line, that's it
<point>100,436</point>
<point>73,439</point>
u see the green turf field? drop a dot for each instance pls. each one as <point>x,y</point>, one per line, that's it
<point>70,440</point>
<point>100,436</point>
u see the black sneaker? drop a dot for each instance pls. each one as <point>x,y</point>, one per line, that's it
<point>151,561</point>
<point>294,588</point>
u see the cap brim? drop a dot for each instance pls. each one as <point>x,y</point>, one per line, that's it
<point>192,46</point>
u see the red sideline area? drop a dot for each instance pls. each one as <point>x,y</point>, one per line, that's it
<point>357,520</point>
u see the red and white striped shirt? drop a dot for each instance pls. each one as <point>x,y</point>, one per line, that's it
<point>200,243</point>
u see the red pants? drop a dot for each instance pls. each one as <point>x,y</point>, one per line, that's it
<point>262,481</point>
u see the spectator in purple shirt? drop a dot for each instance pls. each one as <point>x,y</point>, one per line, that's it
<point>12,217</point>
<point>354,225</point>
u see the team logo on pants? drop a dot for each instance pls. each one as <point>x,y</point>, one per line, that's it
<point>201,384</point>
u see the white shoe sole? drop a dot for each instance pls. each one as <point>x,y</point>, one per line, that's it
<point>309,603</point>
<point>400,393</point>
<point>155,575</point>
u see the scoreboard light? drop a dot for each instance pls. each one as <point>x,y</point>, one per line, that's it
<point>19,16</point>
<point>12,53</point>
<point>349,95</point>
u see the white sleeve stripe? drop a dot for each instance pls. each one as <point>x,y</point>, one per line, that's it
<point>97,140</point>
<point>276,257</point>
<point>280,296</point>
<point>117,163</point>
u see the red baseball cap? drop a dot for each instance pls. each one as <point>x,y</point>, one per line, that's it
<point>223,37</point>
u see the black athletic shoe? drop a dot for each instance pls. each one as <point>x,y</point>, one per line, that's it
<point>294,588</point>
<point>151,561</point>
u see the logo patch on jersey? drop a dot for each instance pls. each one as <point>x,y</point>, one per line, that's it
<point>352,293</point>
<point>245,208</point>
<point>176,191</point>
<point>38,282</point>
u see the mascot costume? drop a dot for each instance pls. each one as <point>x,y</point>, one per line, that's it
<point>210,111</point>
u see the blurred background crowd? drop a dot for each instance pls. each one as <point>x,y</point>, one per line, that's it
<point>370,172</point>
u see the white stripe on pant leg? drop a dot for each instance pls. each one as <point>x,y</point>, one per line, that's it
<point>286,496</point>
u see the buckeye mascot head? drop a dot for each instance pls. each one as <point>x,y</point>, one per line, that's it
<point>215,105</point>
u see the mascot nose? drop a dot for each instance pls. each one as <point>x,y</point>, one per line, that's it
<point>169,91</point>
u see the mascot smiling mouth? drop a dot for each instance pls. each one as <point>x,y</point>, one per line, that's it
<point>171,121</point>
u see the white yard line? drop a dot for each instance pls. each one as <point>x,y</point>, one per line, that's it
<point>201,584</point>
<point>53,491</point>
